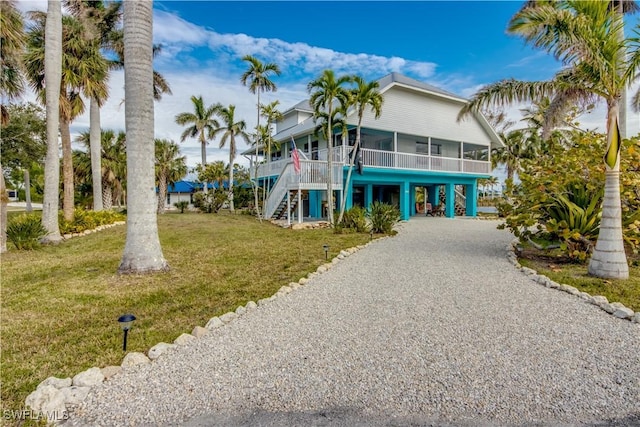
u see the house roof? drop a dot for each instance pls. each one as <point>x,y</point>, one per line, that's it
<point>192,186</point>
<point>301,106</point>
<point>385,83</point>
<point>402,80</point>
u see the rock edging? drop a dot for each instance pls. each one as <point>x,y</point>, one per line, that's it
<point>68,236</point>
<point>616,309</point>
<point>55,398</point>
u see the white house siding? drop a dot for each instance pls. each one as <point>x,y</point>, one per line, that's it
<point>414,113</point>
<point>291,119</point>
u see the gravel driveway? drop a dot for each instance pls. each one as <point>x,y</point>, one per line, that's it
<point>431,327</point>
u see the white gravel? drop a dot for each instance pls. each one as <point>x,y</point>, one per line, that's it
<point>431,327</point>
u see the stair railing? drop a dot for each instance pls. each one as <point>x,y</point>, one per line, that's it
<point>279,190</point>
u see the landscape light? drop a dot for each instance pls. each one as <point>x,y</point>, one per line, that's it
<point>125,324</point>
<point>326,251</point>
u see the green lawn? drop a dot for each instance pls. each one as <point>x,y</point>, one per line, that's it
<point>60,304</point>
<point>625,291</point>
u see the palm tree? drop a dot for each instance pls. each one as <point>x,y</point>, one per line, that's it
<point>202,125</point>
<point>325,91</point>
<point>53,75</point>
<point>258,78</point>
<point>364,95</point>
<point>622,7</point>
<point>142,250</point>
<point>84,71</point>
<point>112,164</point>
<point>214,172</point>
<point>11,85</point>
<point>272,114</point>
<point>584,36</point>
<point>170,167</point>
<point>12,42</point>
<point>230,130</point>
<point>99,21</point>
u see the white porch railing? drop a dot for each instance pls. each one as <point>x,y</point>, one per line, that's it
<point>313,176</point>
<point>398,160</point>
<point>385,159</point>
<point>278,191</point>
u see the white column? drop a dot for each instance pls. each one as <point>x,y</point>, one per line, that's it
<point>300,213</point>
<point>288,208</point>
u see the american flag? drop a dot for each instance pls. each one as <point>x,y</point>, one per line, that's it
<point>295,156</point>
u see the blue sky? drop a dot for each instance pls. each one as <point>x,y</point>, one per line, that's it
<point>457,46</point>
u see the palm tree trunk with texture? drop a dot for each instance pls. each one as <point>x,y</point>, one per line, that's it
<point>142,251</point>
<point>609,260</point>
<point>53,77</point>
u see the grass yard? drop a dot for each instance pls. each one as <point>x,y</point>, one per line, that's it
<point>60,304</point>
<point>625,291</point>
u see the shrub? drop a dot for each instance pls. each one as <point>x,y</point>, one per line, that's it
<point>383,217</point>
<point>181,205</point>
<point>25,231</point>
<point>210,202</point>
<point>355,219</point>
<point>88,220</point>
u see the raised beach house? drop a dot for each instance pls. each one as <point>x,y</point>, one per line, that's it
<point>416,147</point>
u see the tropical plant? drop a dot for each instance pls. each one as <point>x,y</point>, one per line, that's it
<point>84,72</point>
<point>272,114</point>
<point>585,37</point>
<point>170,167</point>
<point>113,173</point>
<point>574,220</point>
<point>364,95</point>
<point>355,218</point>
<point>88,220</point>
<point>215,172</point>
<point>202,124</point>
<point>182,205</point>
<point>25,231</point>
<point>560,192</point>
<point>100,20</point>
<point>142,252</point>
<point>24,142</point>
<point>230,130</point>
<point>258,77</point>
<point>383,217</point>
<point>210,202</point>
<point>325,91</point>
<point>12,42</point>
<point>53,76</point>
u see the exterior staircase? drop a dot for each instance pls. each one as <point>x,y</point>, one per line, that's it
<point>460,208</point>
<point>281,210</point>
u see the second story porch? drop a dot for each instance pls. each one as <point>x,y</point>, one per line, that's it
<point>381,149</point>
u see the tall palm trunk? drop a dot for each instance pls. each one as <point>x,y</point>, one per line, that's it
<point>203,155</point>
<point>609,259</point>
<point>142,251</point>
<point>231,158</point>
<point>352,161</point>
<point>162,193</point>
<point>95,150</point>
<point>329,169</point>
<point>3,213</point>
<point>623,95</point>
<point>107,196</point>
<point>67,170</point>
<point>255,185</point>
<point>53,76</point>
<point>27,190</point>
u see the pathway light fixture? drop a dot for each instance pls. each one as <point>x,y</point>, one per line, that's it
<point>126,320</point>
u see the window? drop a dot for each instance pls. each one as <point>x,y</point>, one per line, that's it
<point>422,147</point>
<point>436,149</point>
